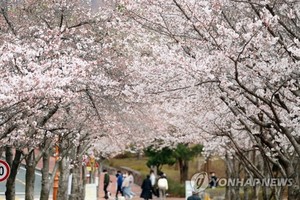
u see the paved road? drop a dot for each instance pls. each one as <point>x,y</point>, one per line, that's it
<point>20,185</point>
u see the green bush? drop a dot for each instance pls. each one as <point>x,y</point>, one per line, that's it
<point>176,189</point>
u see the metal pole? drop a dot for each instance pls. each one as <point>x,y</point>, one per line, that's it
<point>56,178</point>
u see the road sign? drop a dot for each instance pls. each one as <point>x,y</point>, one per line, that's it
<point>4,170</point>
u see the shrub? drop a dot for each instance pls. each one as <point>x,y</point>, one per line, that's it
<point>176,189</point>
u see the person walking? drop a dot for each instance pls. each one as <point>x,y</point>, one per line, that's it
<point>126,187</point>
<point>153,182</point>
<point>162,184</point>
<point>213,183</point>
<point>131,182</point>
<point>146,188</point>
<point>152,177</point>
<point>106,182</point>
<point>194,196</point>
<point>119,176</point>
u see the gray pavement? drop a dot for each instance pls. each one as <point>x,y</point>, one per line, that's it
<point>20,185</point>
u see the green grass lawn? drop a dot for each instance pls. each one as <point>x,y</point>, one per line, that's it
<point>216,165</point>
<point>133,163</point>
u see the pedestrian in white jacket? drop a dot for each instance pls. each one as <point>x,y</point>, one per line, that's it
<point>163,186</point>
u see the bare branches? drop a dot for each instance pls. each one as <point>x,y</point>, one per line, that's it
<point>184,87</point>
<point>87,91</point>
<point>9,23</point>
<point>189,19</point>
<point>289,30</point>
<point>80,24</point>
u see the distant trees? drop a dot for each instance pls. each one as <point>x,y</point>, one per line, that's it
<point>181,155</point>
<point>159,157</point>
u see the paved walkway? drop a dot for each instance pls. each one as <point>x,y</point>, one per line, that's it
<point>113,188</point>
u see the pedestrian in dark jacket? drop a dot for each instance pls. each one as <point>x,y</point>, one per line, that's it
<point>106,182</point>
<point>194,196</point>
<point>146,188</point>
<point>119,176</point>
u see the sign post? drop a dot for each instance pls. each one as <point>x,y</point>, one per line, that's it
<point>4,170</point>
<point>56,177</point>
<point>188,189</point>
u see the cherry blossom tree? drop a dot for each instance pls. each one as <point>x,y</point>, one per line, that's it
<point>52,56</point>
<point>223,73</point>
<point>228,68</point>
<point>63,79</point>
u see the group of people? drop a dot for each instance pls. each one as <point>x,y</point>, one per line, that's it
<point>152,185</point>
<point>156,186</point>
<point>124,184</point>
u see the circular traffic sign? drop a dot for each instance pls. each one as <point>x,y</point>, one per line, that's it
<point>4,170</point>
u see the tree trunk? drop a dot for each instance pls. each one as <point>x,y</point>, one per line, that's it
<point>45,190</point>
<point>63,179</point>
<point>75,184</point>
<point>184,168</point>
<point>78,175</point>
<point>294,192</point>
<point>83,182</point>
<point>152,167</point>
<point>139,155</point>
<point>75,172</point>
<point>228,175</point>
<point>266,191</point>
<point>2,149</point>
<point>236,175</point>
<point>294,188</point>
<point>14,166</point>
<point>30,176</point>
<point>246,188</point>
<point>76,189</point>
<point>232,173</point>
<point>255,188</point>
